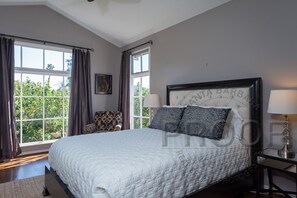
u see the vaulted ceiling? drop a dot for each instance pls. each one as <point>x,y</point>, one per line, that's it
<point>122,22</point>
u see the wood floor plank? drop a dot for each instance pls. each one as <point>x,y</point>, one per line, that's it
<point>23,167</point>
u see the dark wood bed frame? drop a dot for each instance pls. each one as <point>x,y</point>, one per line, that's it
<point>231,186</point>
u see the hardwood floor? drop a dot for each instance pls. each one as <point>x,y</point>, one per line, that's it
<point>23,167</point>
<point>33,165</point>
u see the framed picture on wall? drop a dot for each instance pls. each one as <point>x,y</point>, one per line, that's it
<point>103,84</point>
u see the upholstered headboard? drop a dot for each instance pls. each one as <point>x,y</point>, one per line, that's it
<point>244,95</point>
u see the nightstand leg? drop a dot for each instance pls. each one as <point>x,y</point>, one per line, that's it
<point>258,182</point>
<point>270,182</point>
<point>296,184</point>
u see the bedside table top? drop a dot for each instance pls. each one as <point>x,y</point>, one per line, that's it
<point>272,154</point>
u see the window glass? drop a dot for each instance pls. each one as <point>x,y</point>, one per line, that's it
<point>136,86</point>
<point>136,64</point>
<point>32,57</point>
<point>145,122</point>
<point>53,129</point>
<point>66,87</point>
<point>53,107</point>
<point>145,62</point>
<point>32,84</point>
<point>17,108</point>
<point>66,107</point>
<point>145,110</point>
<point>65,127</point>
<point>54,85</point>
<point>136,123</point>
<point>32,107</point>
<point>145,85</point>
<point>32,131</point>
<point>136,106</point>
<point>17,56</point>
<point>67,62</point>
<point>53,60</point>
<point>17,84</point>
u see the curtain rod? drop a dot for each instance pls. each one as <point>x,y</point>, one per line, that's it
<point>44,41</point>
<point>149,42</point>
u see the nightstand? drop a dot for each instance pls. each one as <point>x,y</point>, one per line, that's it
<point>269,159</point>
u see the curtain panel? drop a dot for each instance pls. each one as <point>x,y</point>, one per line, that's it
<point>9,143</point>
<point>124,89</point>
<point>80,112</point>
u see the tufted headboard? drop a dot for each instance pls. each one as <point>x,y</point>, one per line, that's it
<point>245,95</point>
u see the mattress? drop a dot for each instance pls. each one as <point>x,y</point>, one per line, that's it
<point>144,163</point>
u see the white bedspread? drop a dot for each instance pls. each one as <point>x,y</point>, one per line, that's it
<point>135,163</point>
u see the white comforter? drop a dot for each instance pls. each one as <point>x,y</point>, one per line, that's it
<point>136,163</point>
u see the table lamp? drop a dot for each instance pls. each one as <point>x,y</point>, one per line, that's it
<point>152,101</point>
<point>284,102</point>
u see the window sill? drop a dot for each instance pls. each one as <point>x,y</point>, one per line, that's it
<point>37,143</point>
<point>36,147</point>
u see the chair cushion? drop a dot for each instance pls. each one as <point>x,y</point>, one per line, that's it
<point>89,128</point>
<point>107,120</point>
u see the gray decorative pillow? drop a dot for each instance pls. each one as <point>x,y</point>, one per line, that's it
<point>204,122</point>
<point>167,119</point>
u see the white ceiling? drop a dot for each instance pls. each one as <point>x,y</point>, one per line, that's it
<point>122,22</point>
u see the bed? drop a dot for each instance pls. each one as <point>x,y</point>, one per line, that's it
<point>154,163</point>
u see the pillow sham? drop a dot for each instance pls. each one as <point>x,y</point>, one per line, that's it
<point>204,122</point>
<point>167,119</point>
<point>234,122</point>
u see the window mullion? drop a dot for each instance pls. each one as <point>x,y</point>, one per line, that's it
<point>63,104</point>
<point>21,110</point>
<point>43,99</point>
<point>140,102</point>
<point>21,98</point>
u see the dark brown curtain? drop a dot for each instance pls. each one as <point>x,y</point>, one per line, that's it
<point>80,112</point>
<point>9,143</point>
<point>124,91</point>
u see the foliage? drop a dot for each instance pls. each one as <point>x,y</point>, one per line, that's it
<point>139,98</point>
<point>34,119</point>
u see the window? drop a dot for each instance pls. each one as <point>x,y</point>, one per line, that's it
<point>140,87</point>
<point>42,89</point>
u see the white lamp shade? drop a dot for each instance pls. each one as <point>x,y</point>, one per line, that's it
<point>283,102</point>
<point>152,101</point>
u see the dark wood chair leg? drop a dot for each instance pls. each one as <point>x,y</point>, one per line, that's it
<point>45,192</point>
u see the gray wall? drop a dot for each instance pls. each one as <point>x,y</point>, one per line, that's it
<point>240,39</point>
<point>40,22</point>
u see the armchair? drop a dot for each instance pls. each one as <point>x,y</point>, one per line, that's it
<point>105,121</point>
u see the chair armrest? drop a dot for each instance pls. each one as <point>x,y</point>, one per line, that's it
<point>89,128</point>
<point>118,127</point>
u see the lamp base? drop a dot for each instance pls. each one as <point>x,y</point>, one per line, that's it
<point>285,153</point>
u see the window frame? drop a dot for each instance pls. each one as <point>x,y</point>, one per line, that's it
<point>140,74</point>
<point>43,72</point>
